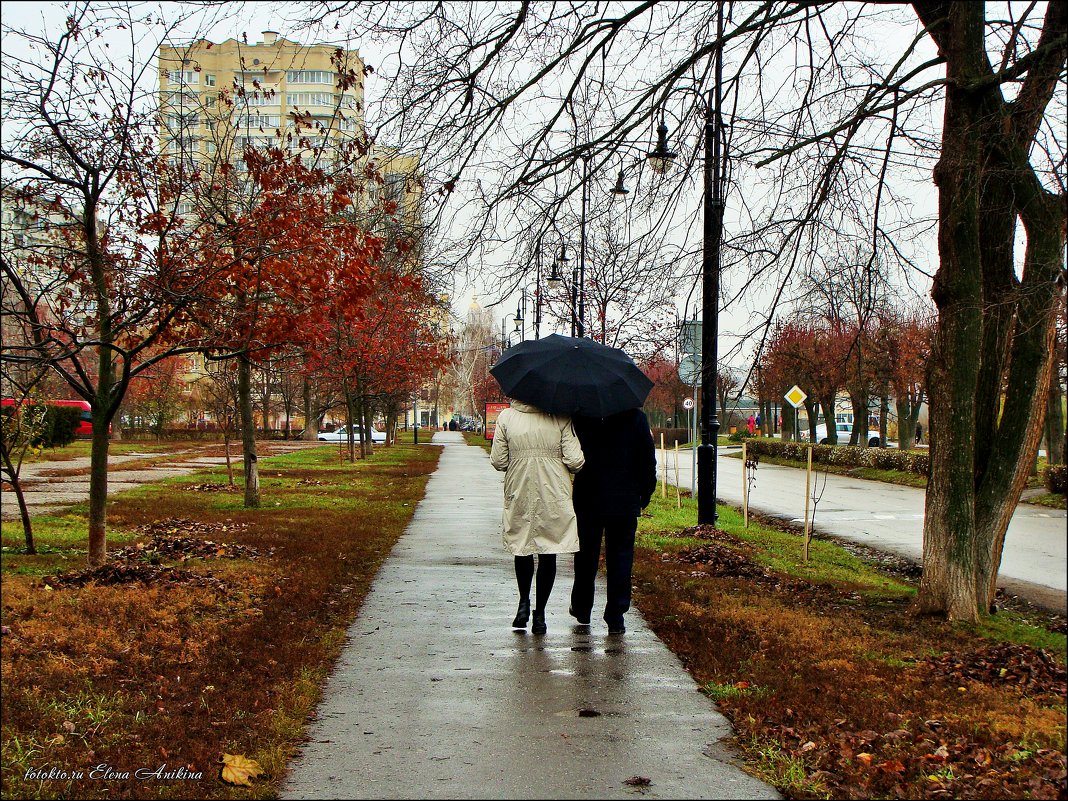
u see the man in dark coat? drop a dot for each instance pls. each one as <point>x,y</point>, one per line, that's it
<point>610,491</point>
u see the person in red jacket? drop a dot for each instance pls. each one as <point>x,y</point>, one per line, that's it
<point>615,484</point>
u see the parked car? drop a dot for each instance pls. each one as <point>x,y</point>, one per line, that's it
<point>845,431</point>
<point>342,435</point>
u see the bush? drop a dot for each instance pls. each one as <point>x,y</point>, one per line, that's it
<point>844,455</point>
<point>60,426</point>
<point>1057,479</point>
<point>738,436</point>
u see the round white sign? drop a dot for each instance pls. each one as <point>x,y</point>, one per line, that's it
<point>688,403</point>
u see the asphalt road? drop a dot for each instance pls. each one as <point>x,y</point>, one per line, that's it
<point>889,518</point>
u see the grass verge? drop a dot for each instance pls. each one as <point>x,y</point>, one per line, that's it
<point>834,688</point>
<point>214,635</point>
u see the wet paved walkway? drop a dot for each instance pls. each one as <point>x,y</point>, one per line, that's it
<point>435,696</point>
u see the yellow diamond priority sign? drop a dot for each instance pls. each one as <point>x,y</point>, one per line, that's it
<point>795,397</point>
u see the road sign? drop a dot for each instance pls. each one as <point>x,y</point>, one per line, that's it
<point>688,403</point>
<point>795,397</point>
<point>690,370</point>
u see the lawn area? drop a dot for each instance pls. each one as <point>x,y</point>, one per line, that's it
<point>209,632</point>
<point>834,688</point>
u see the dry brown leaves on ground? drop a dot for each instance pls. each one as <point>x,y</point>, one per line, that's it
<point>129,572</point>
<point>141,562</point>
<point>1030,670</point>
<point>827,699</point>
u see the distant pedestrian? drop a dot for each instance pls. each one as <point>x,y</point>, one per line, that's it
<point>536,452</point>
<point>919,433</point>
<point>453,426</point>
<point>610,491</point>
<point>752,425</point>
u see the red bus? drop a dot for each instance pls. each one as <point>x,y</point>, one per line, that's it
<point>85,423</point>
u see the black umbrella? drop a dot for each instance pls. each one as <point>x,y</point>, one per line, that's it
<point>572,376</point>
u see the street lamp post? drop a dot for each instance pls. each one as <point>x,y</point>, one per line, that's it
<point>660,158</point>
<point>582,254</point>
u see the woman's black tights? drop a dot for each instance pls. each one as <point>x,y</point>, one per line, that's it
<point>524,573</point>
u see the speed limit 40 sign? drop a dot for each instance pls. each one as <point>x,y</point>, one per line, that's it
<point>688,403</point>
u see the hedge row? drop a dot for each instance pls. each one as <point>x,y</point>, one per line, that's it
<point>1057,478</point>
<point>844,455</point>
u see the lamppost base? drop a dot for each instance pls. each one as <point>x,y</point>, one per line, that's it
<point>706,484</point>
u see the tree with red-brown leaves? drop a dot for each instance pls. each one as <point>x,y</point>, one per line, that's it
<point>903,344</point>
<point>668,392</point>
<point>378,352</point>
<point>812,356</point>
<point>282,237</point>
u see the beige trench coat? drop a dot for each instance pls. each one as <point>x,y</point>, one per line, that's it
<point>536,450</point>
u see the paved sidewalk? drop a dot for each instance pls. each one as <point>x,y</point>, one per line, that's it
<point>435,696</point>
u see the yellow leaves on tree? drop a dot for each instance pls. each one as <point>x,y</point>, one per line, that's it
<point>237,769</point>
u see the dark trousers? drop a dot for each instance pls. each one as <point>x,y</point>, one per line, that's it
<point>618,534</point>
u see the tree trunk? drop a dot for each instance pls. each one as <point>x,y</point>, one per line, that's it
<point>884,412</point>
<point>827,404</point>
<point>949,537</point>
<point>248,431</point>
<point>983,442</point>
<point>789,416</point>
<point>812,408</point>
<point>906,424</point>
<point>311,420</point>
<point>16,486</point>
<point>1055,422</point>
<point>859,434</point>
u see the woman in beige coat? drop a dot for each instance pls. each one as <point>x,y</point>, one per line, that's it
<point>536,451</point>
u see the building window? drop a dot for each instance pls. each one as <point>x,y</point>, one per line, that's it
<point>183,76</point>
<point>259,98</point>
<point>311,76</point>
<point>301,99</point>
<point>394,189</point>
<point>259,121</point>
<point>209,80</point>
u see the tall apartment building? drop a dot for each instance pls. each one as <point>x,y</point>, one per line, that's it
<point>217,98</point>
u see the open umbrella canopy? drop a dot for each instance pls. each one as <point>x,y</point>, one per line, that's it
<point>571,376</point>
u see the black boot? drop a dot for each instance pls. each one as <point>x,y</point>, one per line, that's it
<point>522,614</point>
<point>538,626</point>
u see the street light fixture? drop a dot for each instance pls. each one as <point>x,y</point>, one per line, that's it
<point>659,159</point>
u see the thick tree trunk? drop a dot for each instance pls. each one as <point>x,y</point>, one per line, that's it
<point>985,420</point>
<point>248,432</point>
<point>949,536</point>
